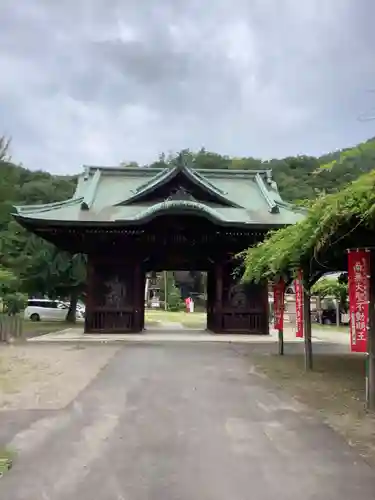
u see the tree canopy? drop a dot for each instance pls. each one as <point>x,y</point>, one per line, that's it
<point>332,224</point>
<point>328,287</point>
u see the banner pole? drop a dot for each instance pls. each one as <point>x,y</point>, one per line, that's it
<point>281,342</point>
<point>370,357</point>
<point>367,368</point>
<point>278,312</point>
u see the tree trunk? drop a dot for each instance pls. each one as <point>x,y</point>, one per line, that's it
<point>72,311</point>
<point>307,328</point>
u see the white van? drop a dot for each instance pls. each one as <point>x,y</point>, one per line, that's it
<point>47,310</point>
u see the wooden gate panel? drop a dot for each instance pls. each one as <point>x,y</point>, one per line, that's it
<point>211,292</point>
<point>113,304</point>
<point>240,308</point>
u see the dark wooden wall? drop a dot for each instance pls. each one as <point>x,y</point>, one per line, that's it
<point>115,301</point>
<point>233,306</point>
<point>115,298</point>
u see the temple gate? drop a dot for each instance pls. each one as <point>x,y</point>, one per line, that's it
<point>130,221</point>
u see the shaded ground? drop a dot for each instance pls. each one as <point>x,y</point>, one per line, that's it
<point>184,421</point>
<point>336,388</point>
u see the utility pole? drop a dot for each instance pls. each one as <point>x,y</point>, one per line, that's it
<point>165,291</point>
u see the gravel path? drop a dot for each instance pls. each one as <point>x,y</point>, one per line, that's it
<point>182,422</point>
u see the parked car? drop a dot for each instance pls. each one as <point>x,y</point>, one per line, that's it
<point>328,317</point>
<point>81,309</point>
<point>47,310</point>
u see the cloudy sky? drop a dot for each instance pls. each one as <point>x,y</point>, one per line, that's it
<point>104,81</point>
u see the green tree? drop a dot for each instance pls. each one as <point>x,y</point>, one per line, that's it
<point>170,293</point>
<point>332,287</point>
<point>8,281</point>
<point>49,271</point>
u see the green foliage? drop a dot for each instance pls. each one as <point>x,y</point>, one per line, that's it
<point>328,287</point>
<point>13,303</point>
<point>170,292</point>
<point>331,220</point>
<point>28,264</point>
<point>174,301</point>
<point>359,158</point>
<point>8,281</point>
<point>299,178</point>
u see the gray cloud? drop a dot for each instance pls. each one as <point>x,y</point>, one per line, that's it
<point>101,81</point>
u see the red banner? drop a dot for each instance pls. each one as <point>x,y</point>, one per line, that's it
<point>278,304</point>
<point>298,285</point>
<point>359,281</point>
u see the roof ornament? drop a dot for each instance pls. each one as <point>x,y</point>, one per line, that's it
<point>86,173</point>
<point>270,180</point>
<point>272,205</point>
<point>180,193</point>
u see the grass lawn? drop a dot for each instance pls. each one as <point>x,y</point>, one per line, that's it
<point>36,328</point>
<point>333,328</point>
<point>336,389</point>
<point>20,329</point>
<point>188,320</point>
<point>6,460</point>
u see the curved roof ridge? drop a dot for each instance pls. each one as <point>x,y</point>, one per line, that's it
<point>188,205</point>
<point>168,174</point>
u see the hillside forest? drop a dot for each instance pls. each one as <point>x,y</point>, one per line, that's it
<point>30,266</point>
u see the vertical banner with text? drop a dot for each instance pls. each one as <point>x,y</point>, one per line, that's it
<point>359,282</point>
<point>278,304</point>
<point>298,285</point>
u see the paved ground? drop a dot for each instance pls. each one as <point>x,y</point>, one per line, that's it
<point>174,332</point>
<point>173,421</point>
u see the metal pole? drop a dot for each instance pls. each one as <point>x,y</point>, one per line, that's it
<point>281,342</point>
<point>165,291</point>
<point>147,284</point>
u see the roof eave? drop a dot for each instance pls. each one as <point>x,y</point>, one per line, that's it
<point>31,222</point>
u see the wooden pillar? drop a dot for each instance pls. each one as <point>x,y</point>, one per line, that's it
<point>90,291</point>
<point>144,287</point>
<point>210,302</point>
<point>263,288</point>
<point>307,327</point>
<point>218,309</point>
<point>138,297</point>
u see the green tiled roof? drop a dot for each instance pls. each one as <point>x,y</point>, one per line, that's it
<point>115,195</point>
